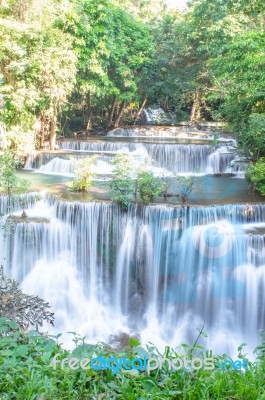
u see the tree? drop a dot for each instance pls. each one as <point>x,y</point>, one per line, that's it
<point>185,185</point>
<point>256,174</point>
<point>122,184</point>
<point>252,137</point>
<point>83,174</point>
<point>239,77</point>
<point>144,10</point>
<point>178,77</point>
<point>148,187</point>
<point>9,183</point>
<point>37,66</point>
<point>131,182</point>
<point>230,38</point>
<point>23,309</point>
<point>112,49</point>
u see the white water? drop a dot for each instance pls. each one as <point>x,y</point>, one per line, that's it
<point>155,116</point>
<point>168,132</point>
<point>155,270</point>
<point>162,159</point>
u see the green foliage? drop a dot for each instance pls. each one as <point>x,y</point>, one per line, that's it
<point>27,372</point>
<point>252,137</point>
<point>131,182</point>
<point>185,185</point>
<point>256,174</point>
<point>96,60</point>
<point>122,184</point>
<point>9,183</point>
<point>148,187</point>
<point>239,77</point>
<point>112,48</point>
<point>144,10</point>
<point>83,174</point>
<point>24,310</point>
<point>37,67</point>
<point>208,62</point>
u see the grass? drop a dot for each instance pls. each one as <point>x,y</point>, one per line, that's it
<point>26,372</point>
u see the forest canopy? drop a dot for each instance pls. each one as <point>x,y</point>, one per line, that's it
<point>71,65</point>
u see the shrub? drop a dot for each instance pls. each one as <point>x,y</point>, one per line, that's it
<point>131,182</point>
<point>256,174</point>
<point>83,174</point>
<point>185,185</point>
<point>148,186</point>
<point>9,183</point>
<point>21,141</point>
<point>23,309</point>
<point>122,184</point>
<point>253,136</point>
<point>27,372</point>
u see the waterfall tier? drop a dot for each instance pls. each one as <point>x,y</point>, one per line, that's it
<point>157,270</point>
<point>180,132</point>
<point>169,158</point>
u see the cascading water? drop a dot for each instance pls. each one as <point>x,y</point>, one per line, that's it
<point>157,270</point>
<point>94,145</point>
<point>13,203</point>
<point>155,116</point>
<point>220,160</point>
<point>177,132</point>
<point>63,163</point>
<point>173,158</point>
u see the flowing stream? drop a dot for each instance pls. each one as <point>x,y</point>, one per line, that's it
<point>156,271</point>
<point>163,159</point>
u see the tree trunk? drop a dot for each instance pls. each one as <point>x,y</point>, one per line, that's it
<point>89,125</point>
<point>112,111</point>
<point>118,118</point>
<point>52,133</point>
<point>196,108</point>
<point>139,112</point>
<point>42,131</point>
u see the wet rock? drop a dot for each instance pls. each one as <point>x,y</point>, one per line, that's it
<point>25,218</point>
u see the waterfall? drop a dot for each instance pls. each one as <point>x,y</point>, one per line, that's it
<point>183,158</point>
<point>13,203</point>
<point>219,160</point>
<point>169,158</point>
<point>155,116</point>
<point>157,270</point>
<point>63,163</point>
<point>176,132</point>
<point>94,145</point>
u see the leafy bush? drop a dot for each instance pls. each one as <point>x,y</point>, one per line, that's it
<point>122,184</point>
<point>256,174</point>
<point>83,174</point>
<point>23,309</point>
<point>27,372</point>
<point>132,182</point>
<point>9,182</point>
<point>136,183</point>
<point>179,187</point>
<point>147,186</point>
<point>21,141</point>
<point>185,185</point>
<point>253,136</point>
